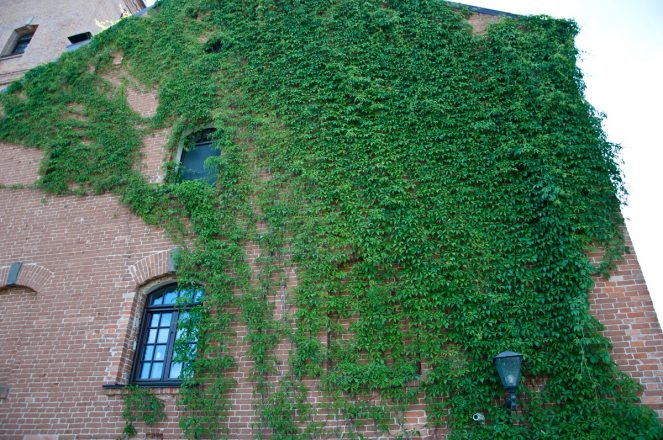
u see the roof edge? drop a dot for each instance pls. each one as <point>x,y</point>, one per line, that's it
<point>481,10</point>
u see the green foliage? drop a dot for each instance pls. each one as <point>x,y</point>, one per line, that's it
<point>141,404</point>
<point>436,191</point>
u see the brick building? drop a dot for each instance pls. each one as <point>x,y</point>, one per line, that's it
<point>50,28</point>
<point>76,273</point>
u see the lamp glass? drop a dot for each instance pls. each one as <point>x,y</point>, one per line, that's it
<point>508,366</point>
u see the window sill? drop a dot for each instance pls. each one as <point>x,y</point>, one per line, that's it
<point>73,47</point>
<point>10,57</point>
<point>112,389</point>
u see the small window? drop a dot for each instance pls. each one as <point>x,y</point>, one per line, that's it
<point>19,41</point>
<point>79,38</point>
<point>157,360</point>
<point>22,43</point>
<point>193,160</point>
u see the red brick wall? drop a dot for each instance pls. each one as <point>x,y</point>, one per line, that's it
<point>155,155</point>
<point>71,331</point>
<point>480,22</point>
<point>141,100</point>
<point>19,165</point>
<point>622,303</point>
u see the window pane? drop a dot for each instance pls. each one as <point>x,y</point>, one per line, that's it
<point>145,371</point>
<point>163,335</point>
<point>155,320</point>
<point>175,370</point>
<point>157,369</point>
<point>160,353</point>
<point>165,319</point>
<point>151,339</point>
<point>22,43</point>
<point>191,295</point>
<point>149,353</point>
<point>170,297</point>
<point>79,38</point>
<point>157,300</point>
<point>193,162</point>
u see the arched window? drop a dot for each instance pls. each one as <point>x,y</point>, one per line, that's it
<point>157,361</point>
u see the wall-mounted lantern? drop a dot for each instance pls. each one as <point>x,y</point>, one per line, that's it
<point>508,366</point>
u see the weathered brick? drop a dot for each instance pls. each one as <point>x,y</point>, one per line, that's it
<point>55,20</point>
<point>19,164</point>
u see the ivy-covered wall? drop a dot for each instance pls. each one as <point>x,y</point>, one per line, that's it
<point>433,192</point>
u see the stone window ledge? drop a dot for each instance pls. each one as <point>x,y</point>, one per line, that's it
<point>120,390</point>
<point>11,57</point>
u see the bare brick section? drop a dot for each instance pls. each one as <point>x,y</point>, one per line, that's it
<point>69,331</point>
<point>15,302</point>
<point>19,165</point>
<point>622,303</point>
<point>480,22</point>
<point>154,155</point>
<point>142,101</point>
<point>242,422</point>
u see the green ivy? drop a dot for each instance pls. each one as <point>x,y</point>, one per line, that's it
<point>141,404</point>
<point>437,191</point>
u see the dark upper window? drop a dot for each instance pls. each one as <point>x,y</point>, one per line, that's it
<point>22,43</point>
<point>79,38</point>
<point>193,160</point>
<point>163,332</point>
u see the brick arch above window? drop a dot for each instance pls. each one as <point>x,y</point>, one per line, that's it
<point>31,275</point>
<point>149,269</point>
<point>153,266</point>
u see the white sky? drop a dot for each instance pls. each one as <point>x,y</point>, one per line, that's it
<point>622,59</point>
<point>621,44</point>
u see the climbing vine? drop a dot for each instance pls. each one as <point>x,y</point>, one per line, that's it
<point>141,404</point>
<point>437,192</point>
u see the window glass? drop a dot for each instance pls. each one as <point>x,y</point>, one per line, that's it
<point>145,371</point>
<point>175,370</point>
<point>170,297</point>
<point>193,159</point>
<point>80,38</point>
<point>22,43</point>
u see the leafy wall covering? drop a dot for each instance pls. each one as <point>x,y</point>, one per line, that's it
<point>437,191</point>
